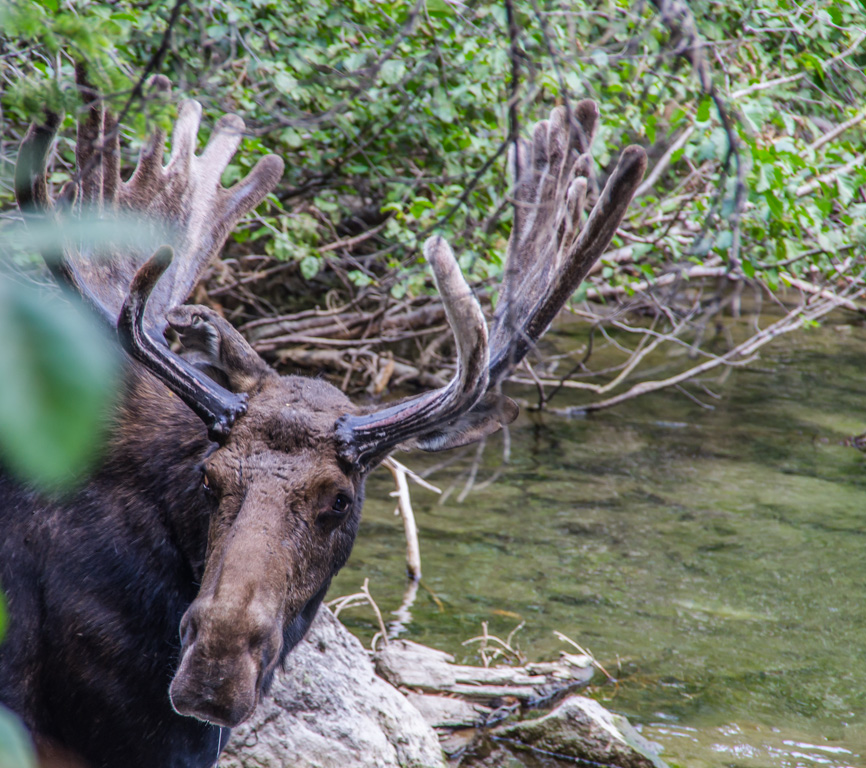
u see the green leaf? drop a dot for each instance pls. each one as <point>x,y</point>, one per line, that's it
<point>392,71</point>
<point>291,138</point>
<point>359,278</point>
<point>600,58</point>
<point>438,7</point>
<point>60,374</point>
<point>775,205</point>
<point>677,116</point>
<point>16,749</point>
<point>847,190</point>
<point>310,266</point>
<point>724,240</point>
<point>419,205</point>
<point>284,82</point>
<point>704,109</point>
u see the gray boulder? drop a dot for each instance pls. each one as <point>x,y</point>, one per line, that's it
<point>330,710</point>
<point>581,729</point>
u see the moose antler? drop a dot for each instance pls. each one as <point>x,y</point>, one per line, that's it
<point>214,405</point>
<point>368,437</point>
<point>549,254</point>
<point>184,199</point>
<point>188,207</point>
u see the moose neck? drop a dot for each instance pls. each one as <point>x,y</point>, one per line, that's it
<point>155,455</point>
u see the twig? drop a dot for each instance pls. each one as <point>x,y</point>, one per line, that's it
<point>650,181</point>
<point>826,178</point>
<point>485,638</point>
<point>359,598</point>
<point>585,652</point>
<point>513,116</point>
<point>351,242</point>
<point>404,509</point>
<point>796,318</point>
<point>767,84</point>
<point>838,130</point>
<point>799,76</point>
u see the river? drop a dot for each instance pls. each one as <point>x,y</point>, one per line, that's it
<point>713,559</point>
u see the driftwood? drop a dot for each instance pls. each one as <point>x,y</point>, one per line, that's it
<point>434,683</point>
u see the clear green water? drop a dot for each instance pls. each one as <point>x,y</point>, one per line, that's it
<point>713,560</point>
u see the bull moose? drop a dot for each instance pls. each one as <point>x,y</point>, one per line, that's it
<point>150,608</point>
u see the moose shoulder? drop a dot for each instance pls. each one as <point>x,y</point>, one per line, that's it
<point>149,610</point>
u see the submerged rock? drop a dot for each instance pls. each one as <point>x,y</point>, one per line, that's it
<point>581,729</point>
<point>330,710</point>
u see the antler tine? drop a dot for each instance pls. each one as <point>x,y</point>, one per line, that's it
<point>549,252</point>
<point>188,194</point>
<point>31,190</point>
<point>147,176</point>
<point>365,439</point>
<point>584,124</point>
<point>97,148</point>
<point>215,406</point>
<point>184,137</point>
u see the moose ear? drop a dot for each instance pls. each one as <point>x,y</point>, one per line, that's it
<point>488,415</point>
<point>212,344</point>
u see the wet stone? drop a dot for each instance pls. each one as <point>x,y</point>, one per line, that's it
<point>581,729</point>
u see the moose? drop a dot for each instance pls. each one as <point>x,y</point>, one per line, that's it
<point>150,607</point>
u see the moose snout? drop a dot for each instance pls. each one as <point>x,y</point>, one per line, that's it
<point>225,655</point>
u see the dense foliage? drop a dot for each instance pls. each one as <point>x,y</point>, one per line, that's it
<point>385,108</point>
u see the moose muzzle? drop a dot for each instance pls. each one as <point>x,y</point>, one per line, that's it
<point>224,658</point>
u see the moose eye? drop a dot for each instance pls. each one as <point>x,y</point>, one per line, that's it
<point>341,504</point>
<point>331,517</point>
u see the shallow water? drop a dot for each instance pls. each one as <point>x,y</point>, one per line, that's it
<point>714,561</point>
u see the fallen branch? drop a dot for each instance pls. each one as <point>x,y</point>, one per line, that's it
<point>453,695</point>
<point>838,130</point>
<point>795,319</point>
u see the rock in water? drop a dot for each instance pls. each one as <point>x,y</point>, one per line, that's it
<point>330,710</point>
<point>581,729</point>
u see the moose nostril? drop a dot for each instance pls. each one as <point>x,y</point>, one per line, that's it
<point>188,628</point>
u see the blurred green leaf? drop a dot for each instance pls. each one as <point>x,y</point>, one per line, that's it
<point>16,749</point>
<point>310,266</point>
<point>60,375</point>
<point>774,204</point>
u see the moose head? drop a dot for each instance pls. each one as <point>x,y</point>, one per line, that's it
<point>283,471</point>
